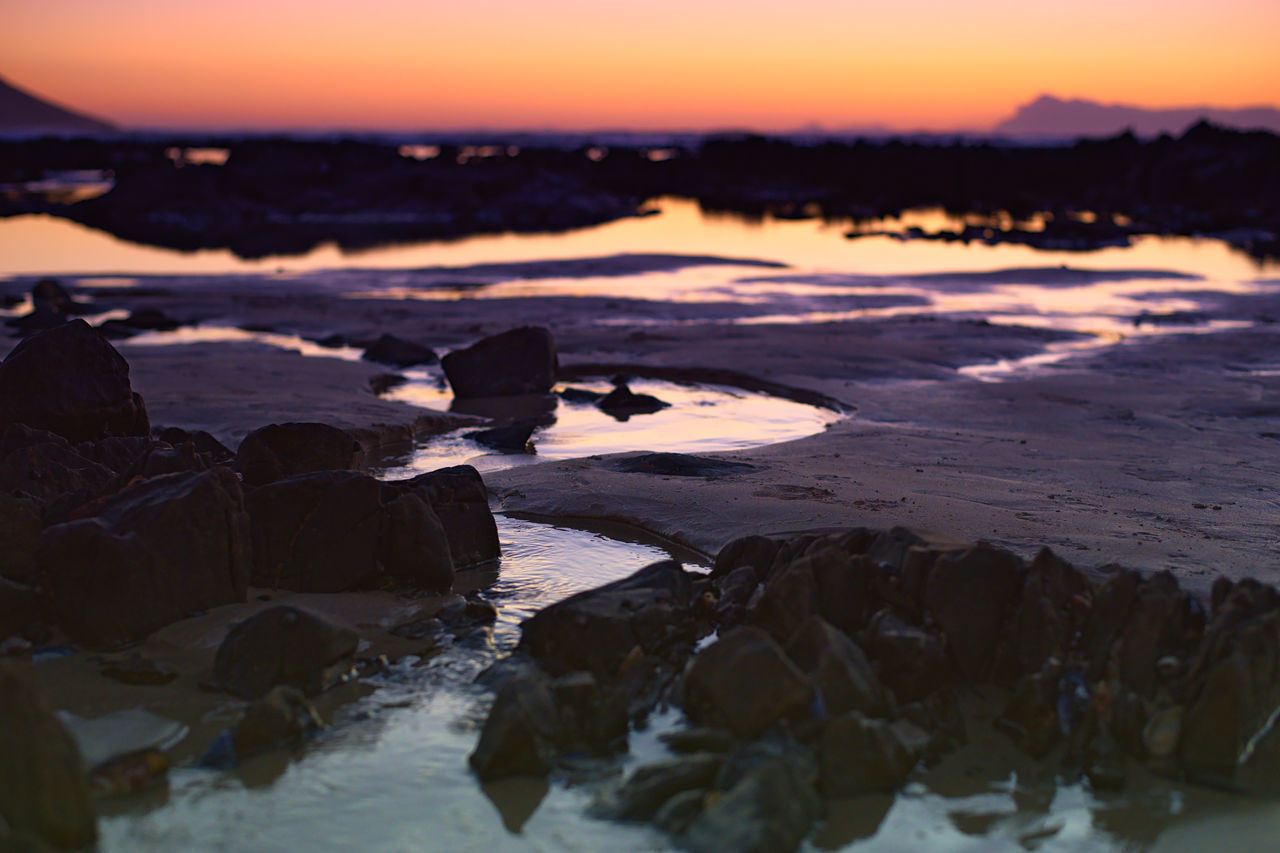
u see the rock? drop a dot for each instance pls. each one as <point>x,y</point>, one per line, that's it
<point>754,551</point>
<point>49,294</point>
<point>204,442</point>
<point>766,802</point>
<point>122,775</point>
<point>279,451</point>
<point>71,381</point>
<point>152,554</point>
<point>789,598</point>
<point>621,403</point>
<point>846,587</point>
<point>735,592</point>
<point>458,497</point>
<point>331,531</point>
<point>397,352</point>
<point>507,439</point>
<point>44,790</point>
<point>1030,717</point>
<point>19,607</point>
<point>971,595</point>
<point>520,361</point>
<point>53,476</point>
<point>1044,623</point>
<point>1162,732</point>
<point>146,320</point>
<point>911,661</point>
<point>136,669</point>
<point>119,453</point>
<point>745,683</point>
<point>1162,621</point>
<point>520,736</point>
<point>580,395</point>
<point>649,787</point>
<point>384,382</point>
<point>19,533</point>
<point>859,755</point>
<point>1107,617</point>
<point>678,465</point>
<point>698,740</point>
<point>161,458</point>
<point>837,667</point>
<point>597,630</point>
<point>281,645</point>
<point>281,717</point>
<point>679,812</point>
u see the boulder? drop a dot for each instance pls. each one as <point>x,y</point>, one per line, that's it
<point>754,551</point>
<point>745,682</point>
<point>520,736</point>
<point>151,555</point>
<point>458,497</point>
<point>278,451</point>
<point>1045,619</point>
<point>282,645</point>
<point>282,717</point>
<point>44,789</point>
<point>789,598</point>
<point>861,755</point>
<point>839,669</point>
<point>597,630</point>
<point>1163,621</point>
<point>338,530</point>
<point>971,596</point>
<point>71,381</point>
<point>398,352</point>
<point>520,361</point>
<point>846,586</point>
<point>910,661</point>
<point>1107,617</point>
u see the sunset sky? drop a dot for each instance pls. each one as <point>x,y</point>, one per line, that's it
<point>657,64</point>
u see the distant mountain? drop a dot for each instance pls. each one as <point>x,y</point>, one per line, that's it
<point>1050,116</point>
<point>24,113</point>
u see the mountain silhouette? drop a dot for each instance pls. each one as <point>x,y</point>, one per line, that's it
<point>1050,116</point>
<point>24,113</point>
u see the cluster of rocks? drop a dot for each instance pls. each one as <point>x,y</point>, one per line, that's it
<point>112,531</point>
<point>820,667</point>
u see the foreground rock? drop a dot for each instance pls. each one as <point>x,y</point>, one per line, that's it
<point>44,790</point>
<point>278,451</point>
<point>155,553</point>
<point>69,380</point>
<point>521,361</point>
<point>458,497</point>
<point>282,646</point>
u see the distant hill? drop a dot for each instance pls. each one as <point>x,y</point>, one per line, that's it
<point>1050,116</point>
<point>24,113</point>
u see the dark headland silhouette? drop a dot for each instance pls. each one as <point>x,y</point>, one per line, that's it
<point>1048,116</point>
<point>21,112</point>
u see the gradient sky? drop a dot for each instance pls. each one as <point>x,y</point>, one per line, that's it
<point>643,64</point>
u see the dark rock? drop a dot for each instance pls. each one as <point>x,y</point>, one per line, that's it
<point>754,551</point>
<point>745,682</point>
<point>1044,622</point>
<point>71,381</point>
<point>860,755</point>
<point>19,533</point>
<point>1107,617</point>
<point>766,802</point>
<point>136,669</point>
<point>384,382</point>
<point>649,787</point>
<point>597,630</point>
<point>413,547</point>
<point>460,500</point>
<point>789,598</point>
<point>37,320</point>
<point>520,361</point>
<point>153,554</point>
<point>146,320</point>
<point>678,813</point>
<point>1162,621</point>
<point>520,736</point>
<point>580,395</point>
<point>911,661</point>
<point>282,717</point>
<point>52,475</point>
<point>278,451</point>
<point>621,403</point>
<point>334,341</point>
<point>971,595</point>
<point>507,439</point>
<point>698,740</point>
<point>591,718</point>
<point>847,587</point>
<point>117,453</point>
<point>838,668</point>
<point>217,452</point>
<point>679,465</point>
<point>49,294</point>
<point>43,787</point>
<point>398,352</point>
<point>282,645</point>
<point>735,592</point>
<point>1030,717</point>
<point>19,607</point>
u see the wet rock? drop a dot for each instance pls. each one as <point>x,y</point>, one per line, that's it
<point>520,736</point>
<point>1162,732</point>
<point>847,587</point>
<point>397,352</point>
<point>160,458</point>
<point>71,381</point>
<point>151,555</point>
<point>649,787</point>
<point>735,592</point>
<point>1107,617</point>
<point>204,442</point>
<point>745,683</point>
<point>507,439</point>
<point>458,497</point>
<point>19,533</point>
<point>971,595</point>
<point>754,551</point>
<point>1043,624</point>
<point>678,465</point>
<point>413,547</point>
<point>43,787</point>
<point>789,599</point>
<point>860,755</point>
<point>621,403</point>
<point>838,668</point>
<point>765,802</point>
<point>279,451</point>
<point>678,813</point>
<point>130,773</point>
<point>136,669</point>
<point>591,718</point>
<point>1030,717</point>
<point>520,361</point>
<point>1163,620</point>
<point>281,717</point>
<point>597,630</point>
<point>282,645</point>
<point>698,740</point>
<point>910,661</point>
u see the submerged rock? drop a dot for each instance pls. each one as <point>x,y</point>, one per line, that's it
<point>71,381</point>
<point>282,645</point>
<point>520,361</point>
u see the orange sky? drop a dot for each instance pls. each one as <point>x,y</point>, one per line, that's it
<point>656,64</point>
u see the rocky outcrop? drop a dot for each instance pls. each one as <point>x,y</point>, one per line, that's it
<point>520,361</point>
<point>282,646</point>
<point>278,451</point>
<point>155,553</point>
<point>71,381</point>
